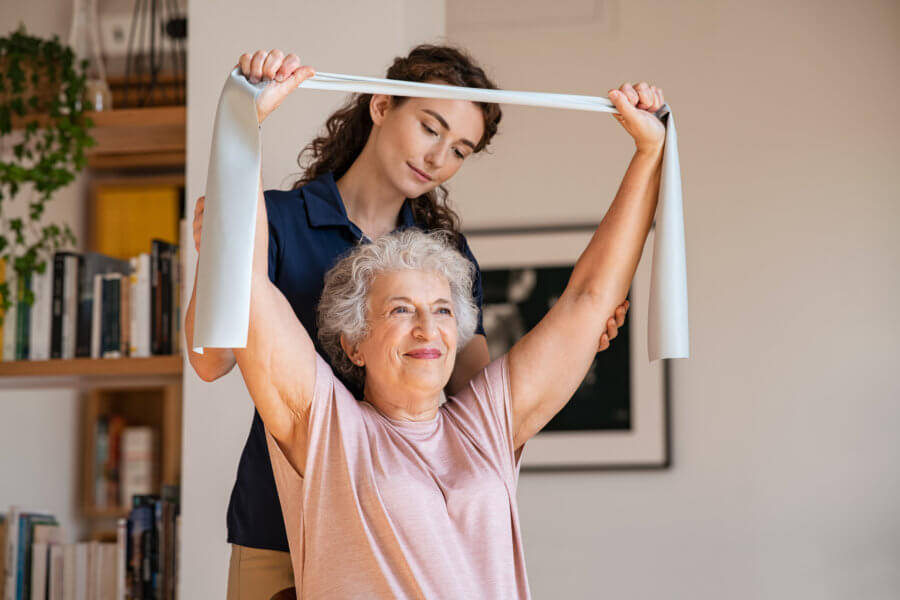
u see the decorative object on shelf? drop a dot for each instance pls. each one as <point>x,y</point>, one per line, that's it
<point>84,40</point>
<point>166,25</point>
<point>41,85</point>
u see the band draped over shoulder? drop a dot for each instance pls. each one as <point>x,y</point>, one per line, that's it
<point>232,188</point>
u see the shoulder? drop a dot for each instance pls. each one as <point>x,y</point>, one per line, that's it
<point>281,202</point>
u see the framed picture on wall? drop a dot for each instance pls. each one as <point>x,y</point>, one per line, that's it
<point>619,416</point>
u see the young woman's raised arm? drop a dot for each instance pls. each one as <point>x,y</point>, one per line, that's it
<point>548,364</point>
<point>279,362</point>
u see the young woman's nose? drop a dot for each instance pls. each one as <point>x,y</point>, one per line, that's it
<point>436,155</point>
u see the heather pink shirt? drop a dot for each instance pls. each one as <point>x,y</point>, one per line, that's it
<point>405,509</point>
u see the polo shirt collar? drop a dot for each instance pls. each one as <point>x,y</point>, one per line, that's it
<point>325,208</point>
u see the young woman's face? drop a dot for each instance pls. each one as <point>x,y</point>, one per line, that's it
<point>423,142</point>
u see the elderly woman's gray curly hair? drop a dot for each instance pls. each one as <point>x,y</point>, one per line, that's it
<point>343,307</point>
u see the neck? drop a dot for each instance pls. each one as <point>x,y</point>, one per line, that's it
<point>371,201</point>
<point>413,406</point>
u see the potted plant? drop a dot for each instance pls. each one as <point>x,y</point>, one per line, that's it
<point>41,116</point>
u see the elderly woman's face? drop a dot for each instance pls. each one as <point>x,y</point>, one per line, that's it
<point>412,332</point>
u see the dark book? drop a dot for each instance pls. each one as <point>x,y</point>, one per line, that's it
<point>110,323</point>
<point>58,304</point>
<point>161,296</point>
<point>23,322</point>
<point>142,531</point>
<point>90,264</point>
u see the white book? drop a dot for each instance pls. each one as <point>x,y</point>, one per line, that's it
<point>93,570</point>
<point>82,571</point>
<point>141,314</point>
<point>9,326</point>
<point>107,572</point>
<point>121,566</point>
<point>39,551</point>
<point>41,314</point>
<point>69,568</point>
<point>138,453</point>
<point>43,537</point>
<point>96,312</point>
<point>70,306</point>
<point>55,578</point>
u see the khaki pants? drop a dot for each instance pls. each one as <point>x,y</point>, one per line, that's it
<point>256,574</point>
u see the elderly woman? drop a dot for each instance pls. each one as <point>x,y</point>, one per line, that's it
<point>395,494</point>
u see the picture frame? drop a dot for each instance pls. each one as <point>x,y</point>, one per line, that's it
<point>630,431</point>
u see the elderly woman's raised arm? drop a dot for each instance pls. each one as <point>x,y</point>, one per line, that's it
<point>279,362</point>
<point>548,364</point>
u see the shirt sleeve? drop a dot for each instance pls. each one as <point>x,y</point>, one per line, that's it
<point>272,213</point>
<point>483,410</point>
<point>477,290</point>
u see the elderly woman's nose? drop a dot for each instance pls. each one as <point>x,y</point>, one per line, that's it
<point>426,325</point>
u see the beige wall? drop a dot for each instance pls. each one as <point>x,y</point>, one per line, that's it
<point>785,480</point>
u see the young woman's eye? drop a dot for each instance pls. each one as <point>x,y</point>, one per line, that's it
<point>459,154</point>
<point>429,129</point>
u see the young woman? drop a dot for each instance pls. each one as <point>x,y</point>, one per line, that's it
<point>378,167</point>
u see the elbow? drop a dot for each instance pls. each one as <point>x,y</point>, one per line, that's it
<point>203,370</point>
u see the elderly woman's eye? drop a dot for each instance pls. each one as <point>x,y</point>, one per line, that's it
<point>398,309</point>
<point>445,311</point>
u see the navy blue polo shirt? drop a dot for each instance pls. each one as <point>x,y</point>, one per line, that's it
<point>308,232</point>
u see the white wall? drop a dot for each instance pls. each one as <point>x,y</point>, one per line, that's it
<point>39,426</point>
<point>341,36</point>
<point>785,482</point>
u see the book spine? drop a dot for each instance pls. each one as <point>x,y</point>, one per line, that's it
<point>9,317</point>
<point>121,557</point>
<point>39,342</point>
<point>165,275</point>
<point>70,307</point>
<point>83,333</point>
<point>12,551</point>
<point>56,574</point>
<point>23,320</point>
<point>155,300</point>
<point>144,325</point>
<point>59,261</point>
<point>96,308</point>
<point>124,315</point>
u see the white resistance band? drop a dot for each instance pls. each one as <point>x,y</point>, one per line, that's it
<point>222,306</point>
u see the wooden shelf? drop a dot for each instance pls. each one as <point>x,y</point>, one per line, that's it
<point>154,365</point>
<point>152,137</point>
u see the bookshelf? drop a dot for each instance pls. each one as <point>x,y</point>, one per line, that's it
<point>138,147</point>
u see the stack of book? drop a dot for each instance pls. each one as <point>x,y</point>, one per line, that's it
<point>93,305</point>
<point>125,463</point>
<point>140,565</point>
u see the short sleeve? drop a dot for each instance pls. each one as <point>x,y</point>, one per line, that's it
<point>477,290</point>
<point>483,410</point>
<point>335,439</point>
<point>275,247</point>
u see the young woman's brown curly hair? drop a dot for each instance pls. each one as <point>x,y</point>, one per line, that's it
<point>347,130</point>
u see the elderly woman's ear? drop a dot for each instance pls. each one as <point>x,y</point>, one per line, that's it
<point>352,352</point>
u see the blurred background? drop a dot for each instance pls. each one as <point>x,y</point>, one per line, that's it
<point>784,479</point>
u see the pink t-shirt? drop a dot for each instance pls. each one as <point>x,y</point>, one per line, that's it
<point>405,509</point>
